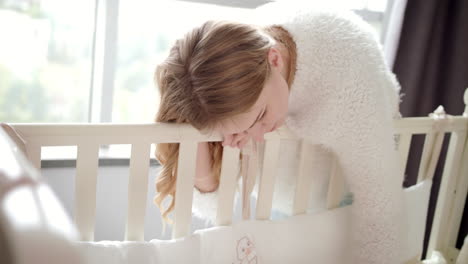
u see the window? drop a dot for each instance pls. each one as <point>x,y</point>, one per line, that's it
<point>146,31</point>
<point>45,57</point>
<point>93,61</point>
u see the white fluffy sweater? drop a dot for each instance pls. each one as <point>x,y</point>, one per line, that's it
<point>343,101</point>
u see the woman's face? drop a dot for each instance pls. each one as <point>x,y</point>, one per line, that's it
<point>267,114</point>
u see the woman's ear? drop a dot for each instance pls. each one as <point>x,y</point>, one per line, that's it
<point>275,59</point>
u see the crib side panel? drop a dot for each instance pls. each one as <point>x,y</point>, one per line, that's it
<point>459,197</point>
<point>31,216</point>
<point>445,219</point>
<point>406,129</point>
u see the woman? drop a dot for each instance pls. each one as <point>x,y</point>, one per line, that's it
<point>320,73</point>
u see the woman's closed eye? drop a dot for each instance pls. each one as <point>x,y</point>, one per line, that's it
<point>235,139</point>
<point>260,118</point>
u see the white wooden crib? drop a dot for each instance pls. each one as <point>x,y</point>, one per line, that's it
<point>89,137</point>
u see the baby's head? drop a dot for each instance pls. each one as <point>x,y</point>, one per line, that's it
<point>214,76</point>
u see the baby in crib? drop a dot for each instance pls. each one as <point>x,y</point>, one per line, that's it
<point>321,74</point>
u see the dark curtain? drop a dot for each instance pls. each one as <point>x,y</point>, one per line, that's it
<point>431,65</point>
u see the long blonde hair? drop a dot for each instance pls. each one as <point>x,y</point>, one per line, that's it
<point>216,71</point>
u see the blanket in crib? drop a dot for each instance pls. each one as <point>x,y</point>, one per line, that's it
<point>309,238</point>
<point>298,239</point>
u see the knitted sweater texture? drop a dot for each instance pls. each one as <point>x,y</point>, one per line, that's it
<point>343,101</point>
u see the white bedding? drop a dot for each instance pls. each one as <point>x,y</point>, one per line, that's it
<point>312,238</point>
<point>298,239</point>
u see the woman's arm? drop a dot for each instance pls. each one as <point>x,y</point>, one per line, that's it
<point>346,104</point>
<point>204,178</point>
<point>205,191</point>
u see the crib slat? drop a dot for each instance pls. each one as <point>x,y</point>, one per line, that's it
<point>246,172</point>
<point>320,181</point>
<point>444,214</point>
<point>34,154</point>
<point>423,125</point>
<point>335,187</point>
<point>85,189</point>
<point>268,177</point>
<point>460,193</point>
<point>304,181</point>
<point>435,154</point>
<point>137,191</point>
<point>403,149</point>
<point>184,187</point>
<point>426,155</point>
<point>227,185</point>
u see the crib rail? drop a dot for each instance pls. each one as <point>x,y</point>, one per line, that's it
<point>88,138</point>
